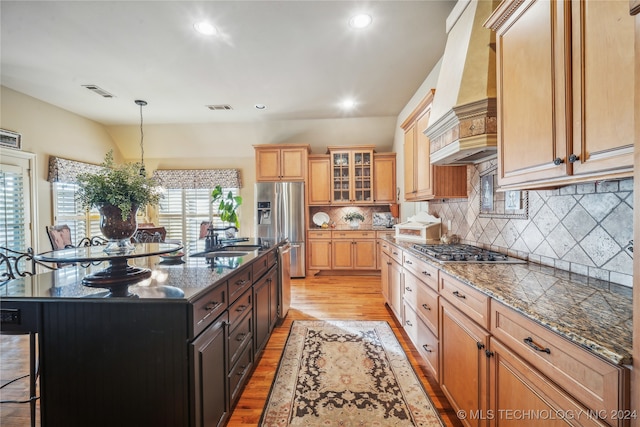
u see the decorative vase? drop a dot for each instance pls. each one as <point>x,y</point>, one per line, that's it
<point>354,223</point>
<point>118,231</point>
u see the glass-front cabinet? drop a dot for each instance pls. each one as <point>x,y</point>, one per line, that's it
<point>352,180</point>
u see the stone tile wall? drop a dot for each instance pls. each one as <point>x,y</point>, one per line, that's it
<point>583,228</point>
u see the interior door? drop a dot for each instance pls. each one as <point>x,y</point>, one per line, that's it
<point>17,220</point>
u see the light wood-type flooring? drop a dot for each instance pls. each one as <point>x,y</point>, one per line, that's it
<point>325,297</point>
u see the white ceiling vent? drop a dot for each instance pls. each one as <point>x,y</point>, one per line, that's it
<point>99,91</point>
<point>219,107</point>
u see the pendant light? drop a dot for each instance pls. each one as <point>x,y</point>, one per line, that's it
<point>141,103</point>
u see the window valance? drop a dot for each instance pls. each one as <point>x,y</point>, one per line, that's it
<point>198,178</point>
<point>65,170</point>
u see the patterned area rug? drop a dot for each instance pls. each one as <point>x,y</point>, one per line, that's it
<point>346,373</point>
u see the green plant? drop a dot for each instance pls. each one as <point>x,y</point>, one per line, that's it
<point>227,205</point>
<point>352,216</point>
<point>120,185</point>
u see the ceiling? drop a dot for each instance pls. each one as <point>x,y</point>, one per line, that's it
<point>299,58</point>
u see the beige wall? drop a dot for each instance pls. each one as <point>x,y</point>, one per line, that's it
<point>47,130</point>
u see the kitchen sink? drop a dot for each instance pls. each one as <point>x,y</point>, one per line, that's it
<point>239,248</point>
<point>226,254</point>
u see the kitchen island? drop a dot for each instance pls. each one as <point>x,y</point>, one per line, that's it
<point>176,353</point>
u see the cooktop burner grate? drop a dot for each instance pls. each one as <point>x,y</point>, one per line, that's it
<point>463,253</point>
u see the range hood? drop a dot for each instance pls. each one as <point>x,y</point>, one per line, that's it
<point>463,123</point>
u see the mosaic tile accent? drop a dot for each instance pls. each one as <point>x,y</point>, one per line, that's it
<point>582,228</point>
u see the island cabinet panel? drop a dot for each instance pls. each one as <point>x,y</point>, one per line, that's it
<point>265,306</point>
<point>209,393</point>
<point>105,352</point>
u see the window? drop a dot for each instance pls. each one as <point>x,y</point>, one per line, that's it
<point>182,210</point>
<point>12,212</point>
<point>67,210</point>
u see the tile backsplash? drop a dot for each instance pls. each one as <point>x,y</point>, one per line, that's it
<point>582,228</point>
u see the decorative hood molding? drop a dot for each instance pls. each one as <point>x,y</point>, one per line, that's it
<point>463,124</point>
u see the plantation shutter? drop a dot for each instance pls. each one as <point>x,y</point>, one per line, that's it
<point>12,208</point>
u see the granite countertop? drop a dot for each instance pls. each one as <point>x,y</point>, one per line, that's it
<point>180,280</point>
<point>363,227</point>
<point>593,314</point>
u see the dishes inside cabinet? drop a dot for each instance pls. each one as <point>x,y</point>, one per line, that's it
<point>320,218</point>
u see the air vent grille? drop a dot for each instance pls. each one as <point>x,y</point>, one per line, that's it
<point>99,91</point>
<point>220,107</point>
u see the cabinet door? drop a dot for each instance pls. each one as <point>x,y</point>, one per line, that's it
<point>603,75</point>
<point>362,177</point>
<point>517,388</point>
<point>267,164</point>
<point>272,278</point>
<point>261,313</point>
<point>319,254</point>
<point>208,355</point>
<point>409,171</point>
<point>364,256</point>
<point>385,262</point>
<point>532,103</point>
<point>319,180</point>
<point>422,159</point>
<point>293,164</point>
<point>395,288</point>
<point>384,175</point>
<point>342,254</point>
<point>341,188</point>
<point>464,364</point>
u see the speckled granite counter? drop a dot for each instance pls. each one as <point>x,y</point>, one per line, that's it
<point>593,314</point>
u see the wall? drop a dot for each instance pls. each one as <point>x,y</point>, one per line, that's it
<point>48,130</point>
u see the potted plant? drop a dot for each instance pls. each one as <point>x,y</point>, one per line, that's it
<point>227,205</point>
<point>117,191</point>
<point>353,218</point>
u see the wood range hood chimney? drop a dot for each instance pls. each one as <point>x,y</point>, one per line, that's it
<point>463,123</point>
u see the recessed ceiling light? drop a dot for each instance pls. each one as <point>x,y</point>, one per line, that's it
<point>360,21</point>
<point>205,28</point>
<point>260,106</point>
<point>348,104</point>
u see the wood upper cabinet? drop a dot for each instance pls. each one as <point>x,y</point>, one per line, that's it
<point>319,186</point>
<point>564,73</point>
<point>286,162</point>
<point>384,178</point>
<point>352,174</point>
<point>422,180</point>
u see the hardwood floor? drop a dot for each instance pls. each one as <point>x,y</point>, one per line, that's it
<point>330,297</point>
<point>325,297</point>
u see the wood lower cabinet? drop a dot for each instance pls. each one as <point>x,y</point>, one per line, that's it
<point>265,308</point>
<point>209,392</point>
<point>319,250</point>
<point>285,162</point>
<point>353,250</point>
<point>563,129</point>
<point>422,180</point>
<point>464,364</point>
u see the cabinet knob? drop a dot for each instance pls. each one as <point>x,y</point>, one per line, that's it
<point>558,161</point>
<point>573,158</point>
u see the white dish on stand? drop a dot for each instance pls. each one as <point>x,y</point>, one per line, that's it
<point>320,218</point>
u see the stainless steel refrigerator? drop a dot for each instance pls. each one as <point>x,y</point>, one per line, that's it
<point>280,215</point>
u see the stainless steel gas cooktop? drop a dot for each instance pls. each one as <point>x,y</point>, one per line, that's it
<point>464,253</point>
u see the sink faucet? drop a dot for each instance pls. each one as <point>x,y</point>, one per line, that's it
<point>211,240</point>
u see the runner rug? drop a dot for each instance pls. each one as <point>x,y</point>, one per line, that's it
<point>346,373</point>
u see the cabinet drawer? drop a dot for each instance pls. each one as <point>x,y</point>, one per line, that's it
<point>261,265</point>
<point>393,251</point>
<point>597,384</point>
<point>471,302</point>
<point>423,300</point>
<point>240,335</point>
<point>348,234</point>
<point>319,234</point>
<point>240,373</point>
<point>427,273</point>
<point>240,282</point>
<point>382,234</point>
<point>207,308</point>
<point>428,346</point>
<point>238,308</point>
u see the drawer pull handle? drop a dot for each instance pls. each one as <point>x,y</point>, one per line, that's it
<point>241,308</point>
<point>426,273</point>
<point>394,252</point>
<point>529,341</point>
<point>479,345</point>
<point>240,337</point>
<point>244,369</point>
<point>241,282</point>
<point>426,307</point>
<point>408,323</point>
<point>427,349</point>
<point>212,305</point>
<point>408,289</point>
<point>459,295</point>
<point>408,262</point>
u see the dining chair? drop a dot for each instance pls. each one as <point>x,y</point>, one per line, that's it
<point>204,229</point>
<point>59,236</point>
<point>145,236</point>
